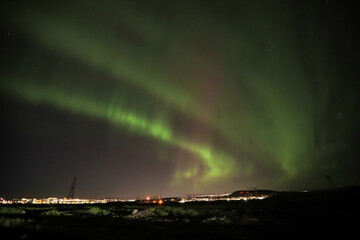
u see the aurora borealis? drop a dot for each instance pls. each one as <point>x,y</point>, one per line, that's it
<point>177,97</point>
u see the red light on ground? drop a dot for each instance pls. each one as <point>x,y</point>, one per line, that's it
<point>160,201</point>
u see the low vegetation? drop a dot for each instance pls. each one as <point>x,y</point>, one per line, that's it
<point>291,215</point>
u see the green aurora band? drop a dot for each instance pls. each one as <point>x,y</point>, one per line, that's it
<point>218,164</point>
<point>240,73</point>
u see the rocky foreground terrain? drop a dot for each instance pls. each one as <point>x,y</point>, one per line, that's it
<point>290,215</point>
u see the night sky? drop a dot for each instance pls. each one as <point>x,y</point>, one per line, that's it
<point>139,98</point>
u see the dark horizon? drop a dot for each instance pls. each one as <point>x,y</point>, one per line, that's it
<point>138,98</point>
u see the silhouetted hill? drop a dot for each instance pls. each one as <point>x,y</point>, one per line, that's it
<point>341,198</point>
<point>240,193</point>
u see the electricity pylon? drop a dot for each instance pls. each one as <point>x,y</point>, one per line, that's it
<point>72,189</point>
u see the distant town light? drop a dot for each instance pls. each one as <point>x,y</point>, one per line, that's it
<point>244,196</point>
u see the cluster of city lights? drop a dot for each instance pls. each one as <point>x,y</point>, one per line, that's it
<point>148,200</point>
<point>54,200</point>
<point>225,197</point>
